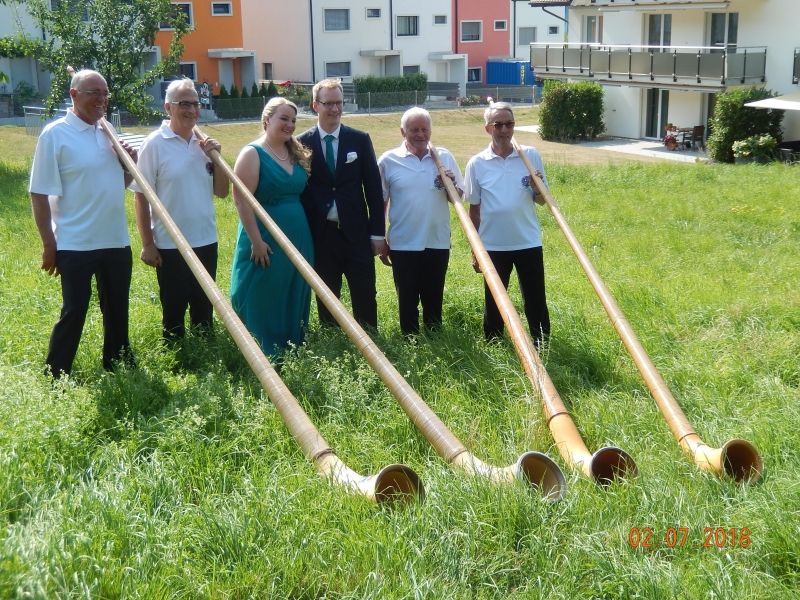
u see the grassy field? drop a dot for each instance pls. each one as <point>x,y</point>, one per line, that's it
<point>179,479</point>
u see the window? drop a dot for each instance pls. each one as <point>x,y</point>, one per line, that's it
<point>527,35</point>
<point>221,9</point>
<point>552,30</point>
<point>410,69</point>
<point>471,31</point>
<point>474,74</point>
<point>337,19</point>
<point>180,7</point>
<point>54,4</point>
<point>724,30</point>
<point>440,19</point>
<point>593,29</point>
<point>337,69</point>
<point>407,26</point>
<point>373,13</point>
<point>188,69</point>
<point>267,71</point>
<point>500,25</point>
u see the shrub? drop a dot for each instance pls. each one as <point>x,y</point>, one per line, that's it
<point>262,91</point>
<point>272,90</point>
<point>223,93</point>
<point>390,91</point>
<point>254,91</point>
<point>733,121</point>
<point>234,91</point>
<point>759,148</point>
<point>571,111</point>
<point>244,93</point>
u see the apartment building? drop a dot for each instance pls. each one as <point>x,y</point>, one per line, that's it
<point>14,19</point>
<point>214,51</point>
<point>308,41</point>
<point>665,61</point>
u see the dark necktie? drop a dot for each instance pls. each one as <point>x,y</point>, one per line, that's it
<point>330,156</point>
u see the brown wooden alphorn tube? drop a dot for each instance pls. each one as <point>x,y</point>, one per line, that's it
<point>534,467</point>
<point>390,483</point>
<point>605,464</point>
<point>737,458</point>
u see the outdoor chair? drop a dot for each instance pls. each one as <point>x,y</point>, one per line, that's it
<point>695,137</point>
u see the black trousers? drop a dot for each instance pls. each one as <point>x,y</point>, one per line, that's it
<point>111,268</point>
<point>334,257</point>
<point>529,264</point>
<point>179,290</point>
<point>419,277</point>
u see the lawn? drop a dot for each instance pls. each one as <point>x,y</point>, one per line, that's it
<point>179,479</point>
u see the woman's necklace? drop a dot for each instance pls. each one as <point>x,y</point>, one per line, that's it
<point>275,154</point>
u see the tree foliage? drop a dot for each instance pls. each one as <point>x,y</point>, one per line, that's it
<point>114,37</point>
<point>733,121</point>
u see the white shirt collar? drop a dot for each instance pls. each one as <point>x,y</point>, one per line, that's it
<point>323,133</point>
<point>74,120</point>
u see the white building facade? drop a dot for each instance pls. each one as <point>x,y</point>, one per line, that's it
<point>664,61</point>
<point>309,40</point>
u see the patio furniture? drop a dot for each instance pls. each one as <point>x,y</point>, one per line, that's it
<point>694,137</point>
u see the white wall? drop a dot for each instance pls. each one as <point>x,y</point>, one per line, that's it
<point>527,16</point>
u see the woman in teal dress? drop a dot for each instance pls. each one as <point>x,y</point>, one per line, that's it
<point>267,292</point>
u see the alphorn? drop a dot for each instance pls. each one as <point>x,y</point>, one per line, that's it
<point>534,467</point>
<point>390,483</point>
<point>608,462</point>
<point>738,459</point>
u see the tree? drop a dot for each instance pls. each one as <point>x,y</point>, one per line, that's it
<point>114,37</point>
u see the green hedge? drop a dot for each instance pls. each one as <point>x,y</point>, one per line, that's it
<point>239,108</point>
<point>377,92</point>
<point>571,111</point>
<point>733,121</point>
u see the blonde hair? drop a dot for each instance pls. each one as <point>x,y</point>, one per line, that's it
<point>179,84</point>
<point>297,151</point>
<point>330,84</point>
<point>493,108</point>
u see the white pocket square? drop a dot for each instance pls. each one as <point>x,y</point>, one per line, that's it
<point>351,156</point>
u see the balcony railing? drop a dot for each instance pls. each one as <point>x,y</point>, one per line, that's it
<point>796,72</point>
<point>686,65</point>
<point>646,4</point>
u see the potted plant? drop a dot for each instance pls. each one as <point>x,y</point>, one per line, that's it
<point>670,138</point>
<point>756,148</point>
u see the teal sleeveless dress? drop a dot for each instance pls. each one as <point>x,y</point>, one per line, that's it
<point>274,302</point>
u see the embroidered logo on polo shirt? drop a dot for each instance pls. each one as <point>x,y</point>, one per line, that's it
<point>526,181</point>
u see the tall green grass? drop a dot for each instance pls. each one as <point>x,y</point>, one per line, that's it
<point>179,480</point>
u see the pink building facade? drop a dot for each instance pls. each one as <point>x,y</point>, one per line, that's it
<point>481,29</point>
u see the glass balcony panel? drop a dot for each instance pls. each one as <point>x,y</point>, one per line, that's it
<point>686,66</point>
<point>711,66</point>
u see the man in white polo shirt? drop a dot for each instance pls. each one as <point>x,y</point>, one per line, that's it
<point>176,164</point>
<point>77,190</point>
<point>419,221</point>
<point>501,197</point>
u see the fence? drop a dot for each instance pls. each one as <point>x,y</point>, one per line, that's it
<point>36,118</point>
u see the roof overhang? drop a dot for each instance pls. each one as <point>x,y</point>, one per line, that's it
<point>378,53</point>
<point>790,101</point>
<point>445,56</point>
<point>548,3</point>
<point>670,5</point>
<point>230,53</point>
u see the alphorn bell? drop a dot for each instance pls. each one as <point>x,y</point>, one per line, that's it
<point>738,459</point>
<point>604,465</point>
<point>534,467</point>
<point>390,483</point>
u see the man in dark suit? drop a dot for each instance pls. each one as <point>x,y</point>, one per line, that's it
<point>344,205</point>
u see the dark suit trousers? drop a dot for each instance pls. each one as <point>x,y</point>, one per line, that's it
<point>179,290</point>
<point>530,273</point>
<point>334,257</point>
<point>111,267</point>
<point>419,277</point>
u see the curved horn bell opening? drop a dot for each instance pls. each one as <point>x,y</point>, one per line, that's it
<point>610,463</point>
<point>398,482</point>
<point>741,461</point>
<point>542,472</point>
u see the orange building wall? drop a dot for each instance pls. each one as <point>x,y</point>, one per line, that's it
<point>494,43</point>
<point>209,31</point>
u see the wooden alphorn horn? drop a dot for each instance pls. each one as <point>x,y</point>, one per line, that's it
<point>737,458</point>
<point>534,467</point>
<point>604,465</point>
<point>390,483</point>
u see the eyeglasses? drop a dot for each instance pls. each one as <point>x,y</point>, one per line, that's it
<point>331,103</point>
<point>498,125</point>
<point>185,104</point>
<point>95,93</point>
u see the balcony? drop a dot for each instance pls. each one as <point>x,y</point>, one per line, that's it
<point>796,71</point>
<point>700,68</point>
<point>649,5</point>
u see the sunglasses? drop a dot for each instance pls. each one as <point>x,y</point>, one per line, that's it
<point>498,125</point>
<point>186,104</point>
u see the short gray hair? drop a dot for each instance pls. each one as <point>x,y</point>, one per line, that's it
<point>177,85</point>
<point>493,108</point>
<point>79,77</point>
<point>414,111</point>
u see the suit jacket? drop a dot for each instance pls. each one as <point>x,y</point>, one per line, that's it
<point>355,187</point>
